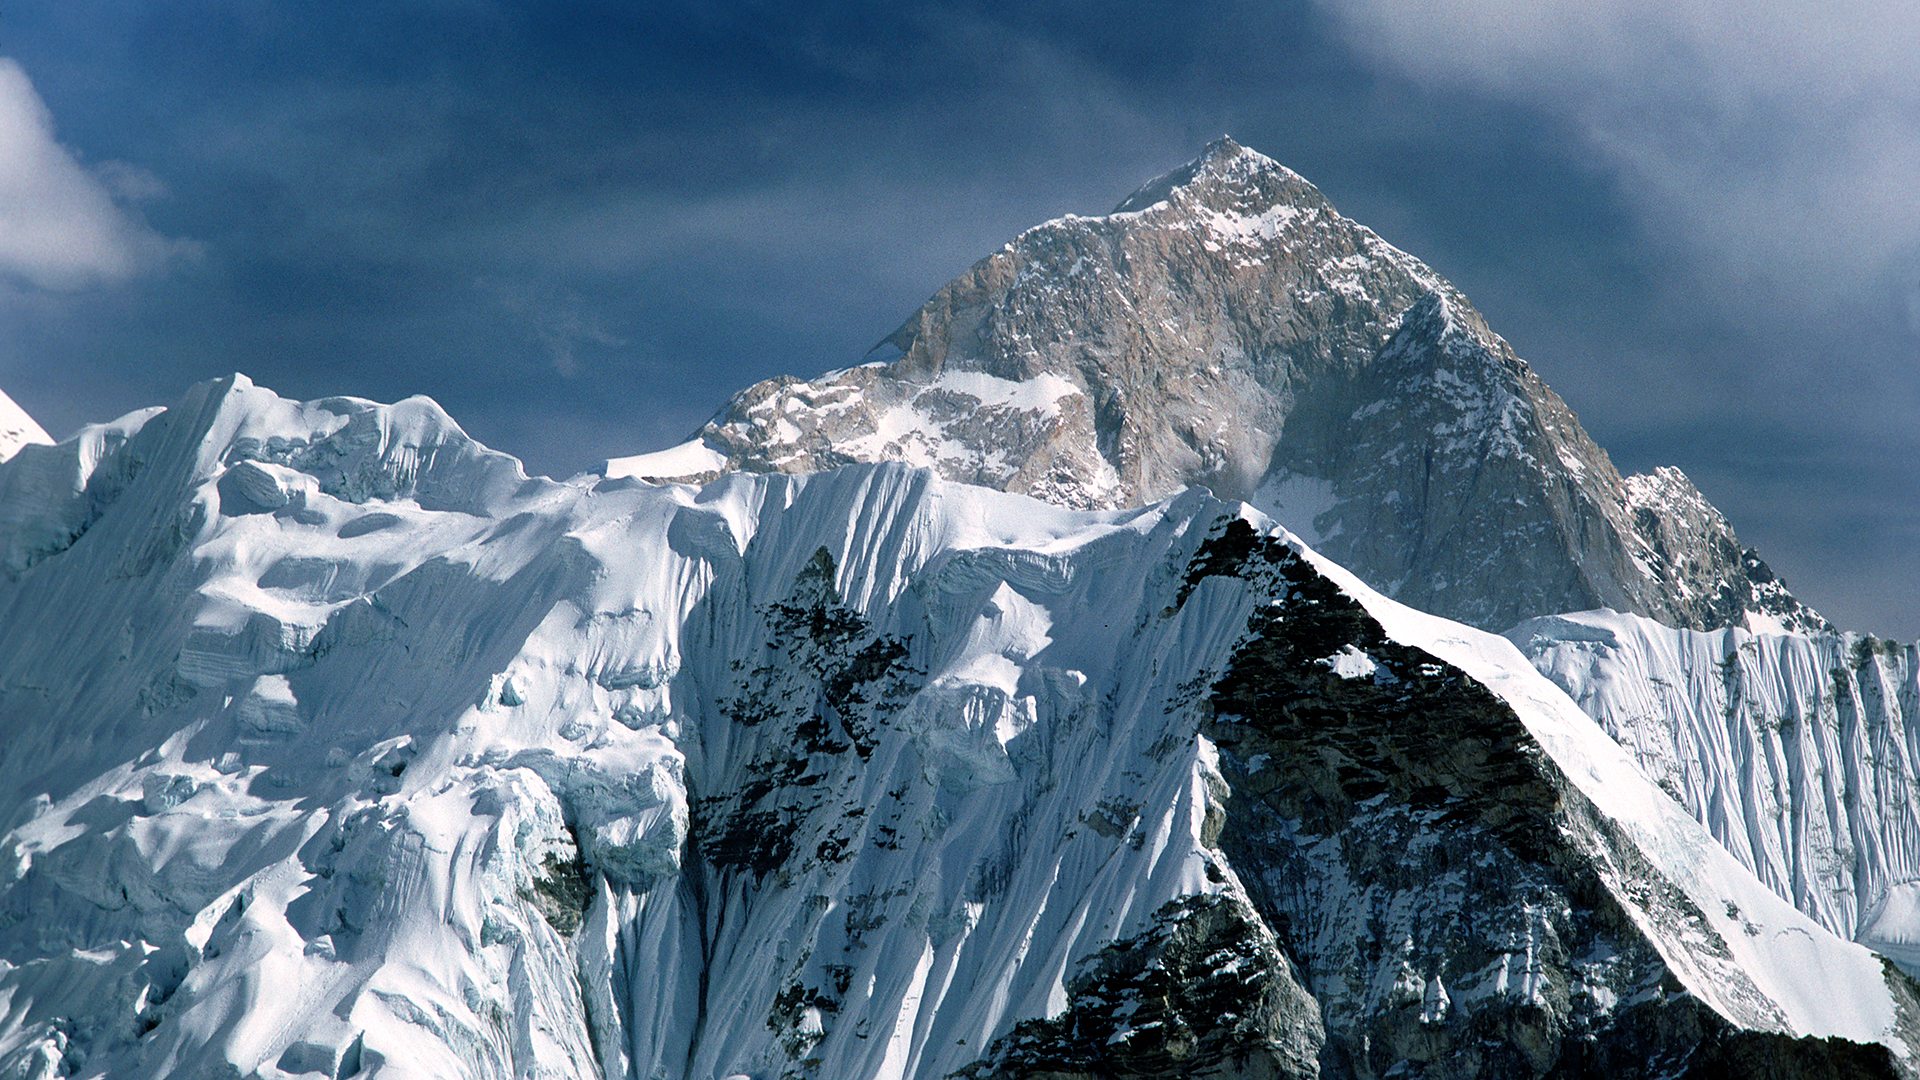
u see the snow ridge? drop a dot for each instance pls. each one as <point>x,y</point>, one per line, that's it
<point>1227,327</point>
<point>17,429</point>
<point>337,744</point>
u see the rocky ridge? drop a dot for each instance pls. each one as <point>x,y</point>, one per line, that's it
<point>17,429</point>
<point>1226,326</point>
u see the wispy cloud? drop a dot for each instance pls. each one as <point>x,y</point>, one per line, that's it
<point>1781,139</point>
<point>556,319</point>
<point>62,225</point>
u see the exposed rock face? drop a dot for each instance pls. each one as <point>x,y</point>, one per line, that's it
<point>1226,326</point>
<point>1204,993</point>
<point>336,744</point>
<point>1685,531</point>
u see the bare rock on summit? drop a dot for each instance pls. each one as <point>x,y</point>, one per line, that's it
<point>1225,326</point>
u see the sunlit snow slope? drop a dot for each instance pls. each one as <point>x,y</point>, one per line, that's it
<point>1801,752</point>
<point>334,744</point>
<point>17,429</point>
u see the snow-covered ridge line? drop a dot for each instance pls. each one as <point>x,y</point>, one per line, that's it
<point>1799,752</point>
<point>18,429</point>
<point>1725,890</point>
<point>1227,327</point>
<point>861,774</point>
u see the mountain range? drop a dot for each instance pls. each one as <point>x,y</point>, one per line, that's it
<point>1225,326</point>
<point>1106,678</point>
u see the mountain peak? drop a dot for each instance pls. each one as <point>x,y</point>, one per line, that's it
<point>1222,152</point>
<point>1228,177</point>
<point>1226,327</point>
<point>17,428</point>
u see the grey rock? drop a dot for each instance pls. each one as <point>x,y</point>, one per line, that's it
<point>1226,326</point>
<point>1204,993</point>
<point>249,488</point>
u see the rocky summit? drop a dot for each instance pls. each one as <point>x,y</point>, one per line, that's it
<point>1225,326</point>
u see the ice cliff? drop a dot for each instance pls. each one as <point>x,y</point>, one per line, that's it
<point>1798,751</point>
<point>337,745</point>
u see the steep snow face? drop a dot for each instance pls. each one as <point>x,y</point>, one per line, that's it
<point>1226,326</point>
<point>1799,752</point>
<point>17,429</point>
<point>335,744</point>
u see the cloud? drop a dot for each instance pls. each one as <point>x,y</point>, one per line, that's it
<point>1779,140</point>
<point>556,319</point>
<point>60,226</point>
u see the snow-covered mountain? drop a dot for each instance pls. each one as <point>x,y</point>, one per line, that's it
<point>1800,752</point>
<point>17,429</point>
<point>1226,326</point>
<point>337,745</point>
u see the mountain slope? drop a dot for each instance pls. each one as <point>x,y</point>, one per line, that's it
<point>1226,326</point>
<point>17,429</point>
<point>336,744</point>
<point>1800,752</point>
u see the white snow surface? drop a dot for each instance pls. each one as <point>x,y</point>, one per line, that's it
<point>1800,752</point>
<point>689,459</point>
<point>915,431</point>
<point>1825,987</point>
<point>17,429</point>
<point>310,706</point>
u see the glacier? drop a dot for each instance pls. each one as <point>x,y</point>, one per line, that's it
<point>1799,751</point>
<point>338,745</point>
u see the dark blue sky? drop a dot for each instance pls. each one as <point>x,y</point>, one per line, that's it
<point>581,226</point>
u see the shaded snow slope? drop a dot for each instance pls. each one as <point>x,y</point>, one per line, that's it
<point>1799,752</point>
<point>1226,326</point>
<point>17,429</point>
<point>335,744</point>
